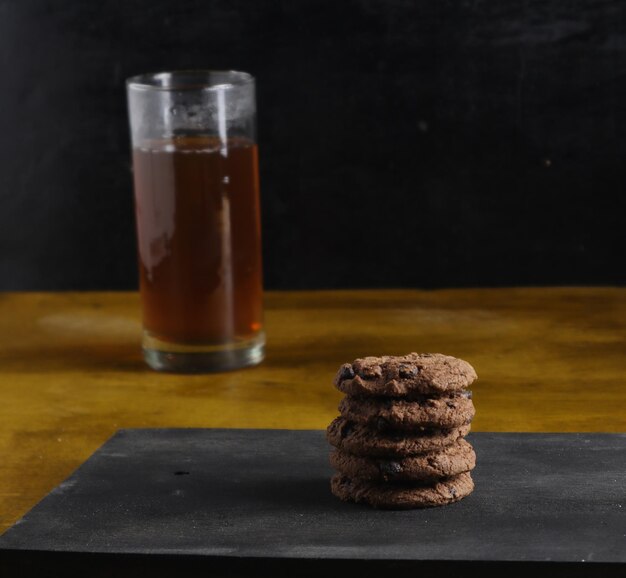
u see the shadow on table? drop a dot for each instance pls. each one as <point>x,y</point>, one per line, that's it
<point>74,356</point>
<point>295,494</point>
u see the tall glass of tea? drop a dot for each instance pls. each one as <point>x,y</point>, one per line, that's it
<point>196,180</point>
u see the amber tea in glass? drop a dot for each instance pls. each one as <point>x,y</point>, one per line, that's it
<point>195,165</point>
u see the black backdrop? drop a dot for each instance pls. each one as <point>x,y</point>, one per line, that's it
<point>403,143</point>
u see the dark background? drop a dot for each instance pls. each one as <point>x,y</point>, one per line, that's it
<point>403,143</point>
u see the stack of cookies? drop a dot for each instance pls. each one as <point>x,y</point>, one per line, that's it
<point>399,441</point>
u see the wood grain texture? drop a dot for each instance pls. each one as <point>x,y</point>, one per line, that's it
<point>71,372</point>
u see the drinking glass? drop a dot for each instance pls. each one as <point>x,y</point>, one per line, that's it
<point>195,166</point>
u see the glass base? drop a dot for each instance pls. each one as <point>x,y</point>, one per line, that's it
<point>178,358</point>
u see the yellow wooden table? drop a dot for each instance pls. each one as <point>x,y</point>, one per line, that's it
<point>71,371</point>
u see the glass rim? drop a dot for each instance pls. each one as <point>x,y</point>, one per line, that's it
<point>193,79</point>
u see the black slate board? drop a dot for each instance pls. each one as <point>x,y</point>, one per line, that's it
<point>253,501</point>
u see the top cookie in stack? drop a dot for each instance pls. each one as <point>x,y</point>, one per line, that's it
<point>399,440</point>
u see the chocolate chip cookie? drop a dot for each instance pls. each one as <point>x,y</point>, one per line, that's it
<point>449,461</point>
<point>449,411</point>
<point>361,440</point>
<point>404,376</point>
<point>402,496</point>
